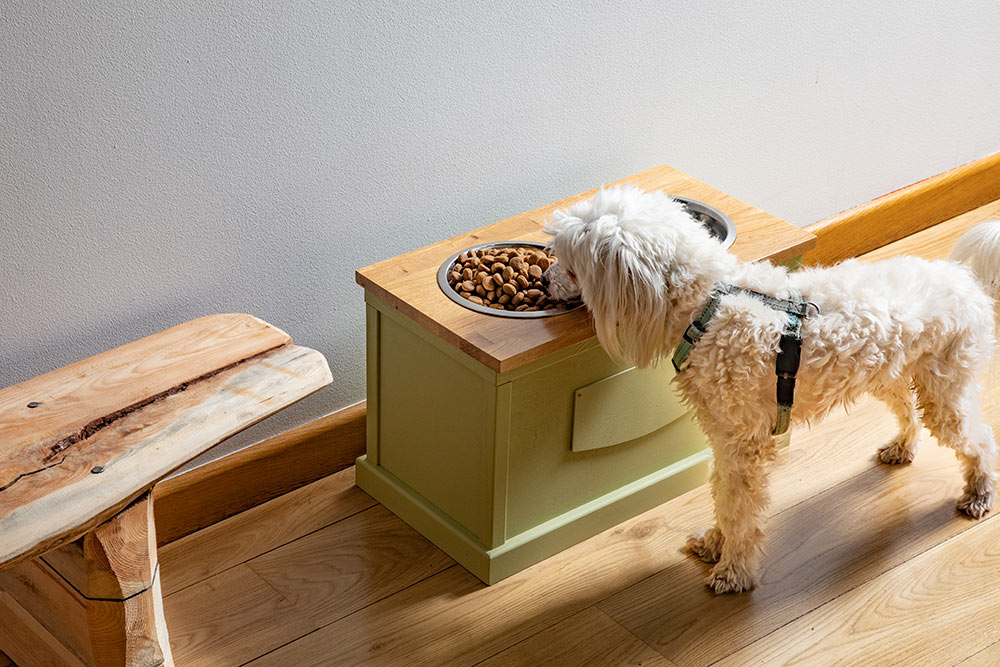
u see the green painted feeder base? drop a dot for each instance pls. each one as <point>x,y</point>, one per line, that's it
<point>546,539</point>
<point>502,470</point>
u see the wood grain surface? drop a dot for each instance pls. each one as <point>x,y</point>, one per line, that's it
<point>987,657</point>
<point>260,530</point>
<point>409,282</point>
<point>74,399</point>
<point>68,561</point>
<point>349,565</point>
<point>249,477</point>
<point>937,241</point>
<point>816,549</point>
<point>587,638</point>
<point>229,619</point>
<point>906,211</point>
<point>27,642</point>
<point>96,477</point>
<point>948,592</point>
<point>124,610</point>
<point>54,604</point>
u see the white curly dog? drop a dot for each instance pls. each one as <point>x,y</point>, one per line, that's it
<point>917,334</point>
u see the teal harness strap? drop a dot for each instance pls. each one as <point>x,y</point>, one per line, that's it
<point>696,329</point>
<point>789,351</point>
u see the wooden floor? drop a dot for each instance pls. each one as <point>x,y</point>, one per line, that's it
<point>868,564</point>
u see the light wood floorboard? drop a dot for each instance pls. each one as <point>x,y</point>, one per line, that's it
<point>258,530</point>
<point>326,577</point>
<point>988,657</point>
<point>350,564</point>
<point>587,638</point>
<point>230,618</point>
<point>933,610</point>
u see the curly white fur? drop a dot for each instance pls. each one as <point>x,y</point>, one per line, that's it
<point>912,332</point>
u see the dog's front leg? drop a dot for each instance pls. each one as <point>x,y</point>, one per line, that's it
<point>739,487</point>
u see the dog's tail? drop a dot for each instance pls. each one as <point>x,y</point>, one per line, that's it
<point>980,249</point>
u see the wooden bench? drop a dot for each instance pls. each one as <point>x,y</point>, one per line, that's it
<point>80,450</point>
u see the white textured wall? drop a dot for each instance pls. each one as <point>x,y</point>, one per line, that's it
<point>164,160</point>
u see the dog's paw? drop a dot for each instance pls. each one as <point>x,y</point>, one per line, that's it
<point>728,579</point>
<point>707,546</point>
<point>976,505</point>
<point>897,452</point>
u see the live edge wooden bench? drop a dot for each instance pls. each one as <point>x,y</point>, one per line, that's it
<point>80,450</point>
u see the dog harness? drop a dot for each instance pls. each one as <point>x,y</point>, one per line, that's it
<point>789,348</point>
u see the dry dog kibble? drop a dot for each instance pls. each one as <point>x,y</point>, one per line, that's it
<point>503,278</point>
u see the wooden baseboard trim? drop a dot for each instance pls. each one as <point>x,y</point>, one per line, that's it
<point>906,211</point>
<point>235,483</point>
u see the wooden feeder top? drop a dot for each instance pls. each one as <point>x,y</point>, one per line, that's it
<point>408,282</point>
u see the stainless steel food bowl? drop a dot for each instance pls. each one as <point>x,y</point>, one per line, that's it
<point>457,298</point>
<point>717,222</point>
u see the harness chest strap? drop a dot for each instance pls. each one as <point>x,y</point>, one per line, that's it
<point>789,350</point>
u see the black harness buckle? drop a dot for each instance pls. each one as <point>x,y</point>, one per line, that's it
<point>786,366</point>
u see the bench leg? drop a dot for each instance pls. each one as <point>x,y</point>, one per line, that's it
<point>123,600</point>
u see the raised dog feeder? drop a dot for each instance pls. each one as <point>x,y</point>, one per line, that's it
<point>504,440</point>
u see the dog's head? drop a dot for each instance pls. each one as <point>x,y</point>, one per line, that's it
<point>634,258</point>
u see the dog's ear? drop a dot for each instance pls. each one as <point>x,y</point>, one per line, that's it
<point>629,300</point>
<point>637,256</point>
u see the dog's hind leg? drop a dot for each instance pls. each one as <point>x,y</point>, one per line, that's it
<point>900,399</point>
<point>952,414</point>
<point>739,487</point>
